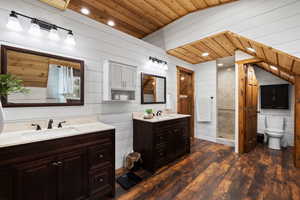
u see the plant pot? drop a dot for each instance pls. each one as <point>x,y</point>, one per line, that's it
<point>1,118</point>
<point>148,116</point>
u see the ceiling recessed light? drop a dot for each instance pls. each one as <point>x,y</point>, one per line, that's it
<point>205,54</point>
<point>220,64</point>
<point>251,49</point>
<point>111,23</point>
<point>274,68</point>
<point>85,11</point>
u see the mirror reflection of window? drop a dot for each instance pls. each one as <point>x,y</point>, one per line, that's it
<point>60,84</point>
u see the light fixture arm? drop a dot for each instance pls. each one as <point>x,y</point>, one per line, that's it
<point>40,21</point>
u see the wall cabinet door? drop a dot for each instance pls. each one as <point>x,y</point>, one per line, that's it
<point>128,78</point>
<point>36,180</point>
<point>72,175</point>
<point>116,76</point>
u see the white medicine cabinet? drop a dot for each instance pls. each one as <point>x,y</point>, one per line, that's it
<point>119,81</point>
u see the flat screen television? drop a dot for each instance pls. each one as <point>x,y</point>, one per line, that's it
<point>274,96</point>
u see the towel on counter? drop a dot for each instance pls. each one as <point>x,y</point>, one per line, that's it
<point>204,109</point>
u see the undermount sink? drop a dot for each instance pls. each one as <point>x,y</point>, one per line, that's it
<point>47,132</point>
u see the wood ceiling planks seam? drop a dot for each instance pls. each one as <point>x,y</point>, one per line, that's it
<point>141,17</point>
<point>225,43</point>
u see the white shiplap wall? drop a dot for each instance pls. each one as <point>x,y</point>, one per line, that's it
<point>95,43</point>
<point>206,87</point>
<point>273,22</point>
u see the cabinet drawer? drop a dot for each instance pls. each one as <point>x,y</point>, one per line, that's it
<point>171,124</point>
<point>100,154</point>
<point>100,181</point>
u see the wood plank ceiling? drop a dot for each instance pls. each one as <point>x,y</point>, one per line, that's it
<point>141,17</point>
<point>225,43</point>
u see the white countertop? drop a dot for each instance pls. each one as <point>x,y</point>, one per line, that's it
<point>165,117</point>
<point>30,136</point>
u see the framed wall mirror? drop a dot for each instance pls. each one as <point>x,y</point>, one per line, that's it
<point>153,89</point>
<point>51,80</point>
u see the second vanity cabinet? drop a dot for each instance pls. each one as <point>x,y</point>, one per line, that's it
<point>161,142</point>
<point>73,168</point>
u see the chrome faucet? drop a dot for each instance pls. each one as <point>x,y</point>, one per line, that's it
<point>60,124</point>
<point>38,127</point>
<point>50,124</point>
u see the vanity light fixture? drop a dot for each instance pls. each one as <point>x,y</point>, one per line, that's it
<point>53,34</point>
<point>159,62</point>
<point>220,64</point>
<point>13,22</point>
<point>85,11</point>
<point>205,54</point>
<point>111,23</point>
<point>251,49</point>
<point>36,26</point>
<point>70,39</point>
<point>273,67</point>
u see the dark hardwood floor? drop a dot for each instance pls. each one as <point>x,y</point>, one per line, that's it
<point>214,172</point>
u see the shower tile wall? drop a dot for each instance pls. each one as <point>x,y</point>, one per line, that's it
<point>225,104</point>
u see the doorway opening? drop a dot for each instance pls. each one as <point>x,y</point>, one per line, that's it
<point>185,95</point>
<point>226,100</point>
<point>262,117</point>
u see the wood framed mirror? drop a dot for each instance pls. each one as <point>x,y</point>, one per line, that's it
<point>50,79</point>
<point>153,89</point>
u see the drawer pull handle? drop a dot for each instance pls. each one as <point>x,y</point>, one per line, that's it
<point>57,164</point>
<point>100,156</point>
<point>99,180</point>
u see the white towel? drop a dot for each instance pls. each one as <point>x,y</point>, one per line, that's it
<point>204,109</point>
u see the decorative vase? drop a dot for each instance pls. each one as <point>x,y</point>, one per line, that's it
<point>1,118</point>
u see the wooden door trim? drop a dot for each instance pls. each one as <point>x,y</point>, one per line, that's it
<point>178,69</point>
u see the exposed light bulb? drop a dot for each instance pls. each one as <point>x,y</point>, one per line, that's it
<point>35,28</point>
<point>70,39</point>
<point>166,66</point>
<point>182,78</point>
<point>13,22</point>
<point>53,34</point>
<point>111,23</point>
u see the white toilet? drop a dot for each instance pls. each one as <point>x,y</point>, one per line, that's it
<point>274,130</point>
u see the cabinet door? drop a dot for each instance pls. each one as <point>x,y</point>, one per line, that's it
<point>72,176</point>
<point>180,140</point>
<point>36,180</point>
<point>116,76</point>
<point>128,78</point>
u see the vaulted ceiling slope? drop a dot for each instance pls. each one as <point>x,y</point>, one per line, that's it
<point>225,43</point>
<point>141,17</point>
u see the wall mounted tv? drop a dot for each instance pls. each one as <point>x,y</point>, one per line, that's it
<point>274,96</point>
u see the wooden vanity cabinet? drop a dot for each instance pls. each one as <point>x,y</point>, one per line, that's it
<point>161,142</point>
<point>73,168</point>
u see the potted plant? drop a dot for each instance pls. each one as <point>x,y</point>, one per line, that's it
<point>9,84</point>
<point>148,114</point>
